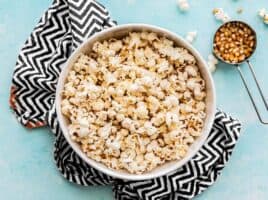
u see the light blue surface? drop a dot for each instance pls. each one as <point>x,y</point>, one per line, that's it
<point>27,169</point>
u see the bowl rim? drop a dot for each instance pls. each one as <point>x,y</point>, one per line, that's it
<point>112,172</point>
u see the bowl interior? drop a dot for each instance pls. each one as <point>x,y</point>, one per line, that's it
<point>117,32</point>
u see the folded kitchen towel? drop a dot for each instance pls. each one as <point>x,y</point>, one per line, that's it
<point>61,29</point>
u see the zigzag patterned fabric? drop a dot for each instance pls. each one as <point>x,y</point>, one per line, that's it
<point>65,25</point>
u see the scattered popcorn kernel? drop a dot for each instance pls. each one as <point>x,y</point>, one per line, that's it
<point>183,5</point>
<point>221,15</point>
<point>262,12</point>
<point>191,36</point>
<point>212,63</point>
<point>264,15</point>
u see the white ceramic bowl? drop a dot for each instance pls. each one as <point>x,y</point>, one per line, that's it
<point>118,32</point>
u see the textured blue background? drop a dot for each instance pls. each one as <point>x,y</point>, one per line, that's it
<point>27,169</point>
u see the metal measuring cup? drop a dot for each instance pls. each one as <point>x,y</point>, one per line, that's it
<point>246,60</point>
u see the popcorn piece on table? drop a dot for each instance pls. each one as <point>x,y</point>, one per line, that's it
<point>212,62</point>
<point>262,12</point>
<point>183,5</point>
<point>190,37</point>
<point>221,15</point>
<point>264,15</point>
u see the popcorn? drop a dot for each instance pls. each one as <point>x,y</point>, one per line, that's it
<point>172,118</point>
<point>116,106</point>
<point>105,131</point>
<point>114,60</point>
<point>212,63</point>
<point>147,81</point>
<point>158,119</point>
<point>221,15</point>
<point>110,78</point>
<point>184,108</point>
<point>115,145</point>
<point>141,110</point>
<point>116,46</point>
<point>171,101</point>
<point>126,157</point>
<point>191,83</point>
<point>264,15</point>
<point>153,146</point>
<point>190,37</point>
<point>191,70</point>
<point>98,105</point>
<point>134,87</point>
<point>163,66</point>
<point>183,5</point>
<point>119,92</point>
<point>198,94</point>
<point>135,103</point>
<point>149,128</point>
<point>92,66</point>
<point>134,40</point>
<point>154,104</point>
<point>90,87</point>
<point>165,84</point>
<point>262,12</point>
<point>83,122</point>
<point>265,19</point>
<point>127,123</point>
<point>120,117</point>
<point>200,106</point>
<point>69,90</point>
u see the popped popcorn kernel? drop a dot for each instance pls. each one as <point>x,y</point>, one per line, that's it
<point>220,15</point>
<point>183,5</point>
<point>191,36</point>
<point>212,63</point>
<point>264,15</point>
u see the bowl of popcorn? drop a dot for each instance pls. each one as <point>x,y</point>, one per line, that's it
<point>135,101</point>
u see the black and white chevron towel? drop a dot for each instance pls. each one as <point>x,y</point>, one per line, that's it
<point>61,29</point>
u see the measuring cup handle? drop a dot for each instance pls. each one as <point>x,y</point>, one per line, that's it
<point>257,83</point>
<point>248,91</point>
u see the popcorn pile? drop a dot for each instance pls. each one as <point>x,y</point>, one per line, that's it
<point>183,5</point>
<point>264,15</point>
<point>135,103</point>
<point>221,15</point>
